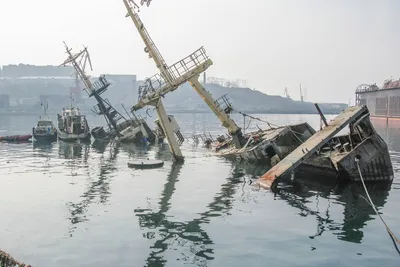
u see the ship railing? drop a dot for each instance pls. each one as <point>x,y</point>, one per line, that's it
<point>367,88</point>
<point>188,64</point>
<point>224,104</point>
<point>362,90</point>
<point>151,85</point>
<point>99,86</point>
<point>205,137</point>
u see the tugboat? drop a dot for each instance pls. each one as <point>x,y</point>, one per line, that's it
<point>123,130</point>
<point>72,125</point>
<point>44,131</point>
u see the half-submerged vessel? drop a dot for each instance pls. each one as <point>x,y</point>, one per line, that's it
<point>72,125</point>
<point>44,131</point>
<point>361,153</point>
<point>131,130</point>
<point>254,146</point>
<point>265,146</point>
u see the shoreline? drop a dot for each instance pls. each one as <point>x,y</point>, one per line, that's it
<point>89,112</point>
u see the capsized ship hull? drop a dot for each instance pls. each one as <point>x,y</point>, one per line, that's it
<point>267,146</point>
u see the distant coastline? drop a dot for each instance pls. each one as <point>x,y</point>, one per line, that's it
<point>173,111</point>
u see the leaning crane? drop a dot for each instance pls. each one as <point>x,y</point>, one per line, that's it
<point>171,77</point>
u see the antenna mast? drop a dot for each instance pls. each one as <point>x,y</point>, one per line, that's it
<point>286,93</point>
<point>150,47</point>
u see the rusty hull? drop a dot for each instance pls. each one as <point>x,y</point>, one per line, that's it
<point>285,167</point>
<point>273,145</point>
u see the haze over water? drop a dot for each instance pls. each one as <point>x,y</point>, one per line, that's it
<point>77,205</point>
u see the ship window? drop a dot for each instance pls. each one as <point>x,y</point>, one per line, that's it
<point>44,123</point>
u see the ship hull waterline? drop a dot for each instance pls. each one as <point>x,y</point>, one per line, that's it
<point>73,137</point>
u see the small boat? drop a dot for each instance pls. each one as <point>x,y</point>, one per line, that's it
<point>44,131</point>
<point>16,138</point>
<point>73,126</point>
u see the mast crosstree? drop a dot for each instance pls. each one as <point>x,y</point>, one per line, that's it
<point>94,89</point>
<point>171,77</point>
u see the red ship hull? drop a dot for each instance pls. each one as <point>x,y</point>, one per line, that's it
<point>385,122</point>
<point>16,138</point>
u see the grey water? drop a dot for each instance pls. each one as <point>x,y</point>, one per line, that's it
<point>78,205</point>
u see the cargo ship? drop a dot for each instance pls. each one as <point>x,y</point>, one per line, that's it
<point>383,102</point>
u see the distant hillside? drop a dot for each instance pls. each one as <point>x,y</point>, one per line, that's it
<point>245,100</point>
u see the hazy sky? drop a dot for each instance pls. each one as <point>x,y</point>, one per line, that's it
<point>328,46</point>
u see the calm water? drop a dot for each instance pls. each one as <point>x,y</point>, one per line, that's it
<point>76,205</point>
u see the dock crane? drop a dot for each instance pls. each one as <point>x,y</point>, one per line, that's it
<point>301,95</point>
<point>286,93</point>
<point>171,77</point>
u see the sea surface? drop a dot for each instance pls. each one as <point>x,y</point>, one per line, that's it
<point>77,205</point>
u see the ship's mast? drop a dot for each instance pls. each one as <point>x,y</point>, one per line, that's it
<point>70,100</point>
<point>80,70</point>
<point>185,70</point>
<point>79,61</point>
<point>164,79</point>
<point>45,107</point>
<point>150,48</point>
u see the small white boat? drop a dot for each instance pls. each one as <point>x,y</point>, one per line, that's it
<point>73,126</point>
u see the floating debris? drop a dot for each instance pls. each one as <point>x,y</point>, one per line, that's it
<point>146,164</point>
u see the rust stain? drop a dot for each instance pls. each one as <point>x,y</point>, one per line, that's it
<point>391,84</point>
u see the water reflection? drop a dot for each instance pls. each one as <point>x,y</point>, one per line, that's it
<point>308,196</point>
<point>356,211</point>
<point>391,137</point>
<point>99,187</point>
<point>73,150</point>
<point>188,237</point>
<point>43,147</point>
<point>100,147</point>
<point>160,151</point>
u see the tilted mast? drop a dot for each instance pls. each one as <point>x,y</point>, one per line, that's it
<point>170,78</point>
<point>103,107</point>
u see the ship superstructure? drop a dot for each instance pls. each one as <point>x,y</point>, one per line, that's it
<point>383,102</point>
